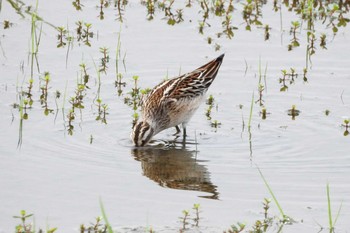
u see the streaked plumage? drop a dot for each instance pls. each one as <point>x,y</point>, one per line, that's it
<point>173,102</point>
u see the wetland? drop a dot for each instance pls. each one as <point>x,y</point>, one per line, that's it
<point>268,151</point>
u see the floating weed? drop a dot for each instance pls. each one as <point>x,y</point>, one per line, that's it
<point>293,112</point>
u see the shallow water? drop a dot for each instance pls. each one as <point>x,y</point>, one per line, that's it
<point>60,178</point>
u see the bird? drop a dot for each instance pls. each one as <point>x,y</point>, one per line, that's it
<point>173,102</point>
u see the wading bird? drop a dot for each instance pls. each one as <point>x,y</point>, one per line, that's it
<point>173,102</point>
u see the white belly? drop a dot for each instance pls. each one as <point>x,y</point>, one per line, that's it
<point>184,111</point>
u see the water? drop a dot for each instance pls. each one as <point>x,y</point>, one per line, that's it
<point>60,178</point>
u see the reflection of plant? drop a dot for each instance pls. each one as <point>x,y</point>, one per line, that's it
<point>293,112</point>
<point>346,125</point>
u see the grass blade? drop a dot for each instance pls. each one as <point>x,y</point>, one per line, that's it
<point>109,228</point>
<point>251,111</point>
<point>272,194</point>
<point>329,209</point>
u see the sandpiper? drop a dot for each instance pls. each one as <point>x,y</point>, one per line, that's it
<point>173,102</point>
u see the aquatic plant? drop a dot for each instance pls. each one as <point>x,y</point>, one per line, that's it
<point>103,4</point>
<point>104,60</point>
<point>86,33</point>
<point>61,37</point>
<point>236,228</point>
<point>197,211</point>
<point>184,219</point>
<point>293,112</point>
<point>77,102</point>
<point>104,216</point>
<point>96,227</point>
<point>263,113</point>
<point>346,125</point>
<point>210,103</point>
<point>285,219</point>
<point>7,24</point>
<point>44,93</point>
<point>25,227</point>
<point>331,221</point>
<point>77,4</point>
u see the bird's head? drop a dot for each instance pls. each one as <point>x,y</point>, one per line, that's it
<point>141,133</point>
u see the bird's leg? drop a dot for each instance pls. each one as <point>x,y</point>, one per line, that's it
<point>184,136</point>
<point>178,130</point>
<point>184,130</point>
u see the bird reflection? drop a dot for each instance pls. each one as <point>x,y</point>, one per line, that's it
<point>175,168</point>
